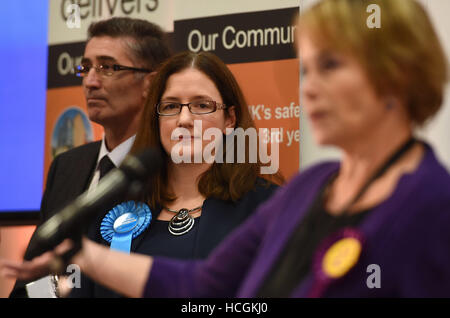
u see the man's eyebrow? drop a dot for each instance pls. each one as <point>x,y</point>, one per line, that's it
<point>102,58</point>
<point>105,58</point>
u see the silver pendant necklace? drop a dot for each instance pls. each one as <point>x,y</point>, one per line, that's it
<point>182,222</point>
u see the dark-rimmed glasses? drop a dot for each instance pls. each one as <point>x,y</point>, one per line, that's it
<point>197,108</point>
<point>106,69</point>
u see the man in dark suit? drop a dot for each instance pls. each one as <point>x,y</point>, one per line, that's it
<point>119,58</point>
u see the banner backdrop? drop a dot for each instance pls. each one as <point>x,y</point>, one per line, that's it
<point>254,38</point>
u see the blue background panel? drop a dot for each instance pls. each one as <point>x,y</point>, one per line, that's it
<point>23,58</point>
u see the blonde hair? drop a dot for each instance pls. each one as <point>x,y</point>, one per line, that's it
<point>403,57</point>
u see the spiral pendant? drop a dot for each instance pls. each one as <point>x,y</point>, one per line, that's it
<point>181,223</point>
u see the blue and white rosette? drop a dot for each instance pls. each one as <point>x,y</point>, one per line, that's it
<point>125,222</point>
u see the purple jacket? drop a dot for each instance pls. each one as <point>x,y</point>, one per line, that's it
<point>407,236</point>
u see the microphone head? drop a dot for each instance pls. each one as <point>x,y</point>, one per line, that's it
<point>142,165</point>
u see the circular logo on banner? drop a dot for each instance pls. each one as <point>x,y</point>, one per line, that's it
<point>72,129</point>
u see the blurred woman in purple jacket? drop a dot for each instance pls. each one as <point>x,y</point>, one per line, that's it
<point>375,224</point>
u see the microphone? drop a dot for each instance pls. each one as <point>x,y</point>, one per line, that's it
<point>129,179</point>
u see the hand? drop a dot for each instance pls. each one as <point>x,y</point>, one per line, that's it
<point>38,267</point>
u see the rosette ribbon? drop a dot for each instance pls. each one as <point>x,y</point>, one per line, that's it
<point>125,222</point>
<point>335,257</point>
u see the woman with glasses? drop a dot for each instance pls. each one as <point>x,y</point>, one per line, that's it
<point>198,196</point>
<point>196,199</point>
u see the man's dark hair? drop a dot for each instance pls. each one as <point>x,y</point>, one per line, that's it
<point>147,42</point>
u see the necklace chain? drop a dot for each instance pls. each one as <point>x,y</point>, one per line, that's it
<point>189,211</point>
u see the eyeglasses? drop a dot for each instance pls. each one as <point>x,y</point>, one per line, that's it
<point>105,69</point>
<point>196,108</point>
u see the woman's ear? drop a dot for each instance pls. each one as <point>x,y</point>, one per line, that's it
<point>230,119</point>
<point>147,82</point>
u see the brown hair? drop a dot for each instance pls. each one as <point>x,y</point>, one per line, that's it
<point>147,42</point>
<point>403,57</point>
<point>225,181</point>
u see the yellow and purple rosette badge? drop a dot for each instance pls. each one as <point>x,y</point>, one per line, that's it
<point>334,259</point>
<point>125,222</point>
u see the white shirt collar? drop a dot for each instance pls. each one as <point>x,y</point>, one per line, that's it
<point>118,154</point>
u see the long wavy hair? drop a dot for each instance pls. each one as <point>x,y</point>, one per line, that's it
<point>225,181</point>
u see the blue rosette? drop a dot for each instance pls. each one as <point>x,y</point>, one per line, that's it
<point>125,222</point>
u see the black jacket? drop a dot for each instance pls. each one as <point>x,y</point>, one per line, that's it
<point>218,219</point>
<point>70,174</point>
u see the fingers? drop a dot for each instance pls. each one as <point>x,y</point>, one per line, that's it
<point>40,266</point>
<point>27,270</point>
<point>8,268</point>
<point>64,247</point>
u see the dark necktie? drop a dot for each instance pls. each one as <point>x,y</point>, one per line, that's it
<point>105,165</point>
